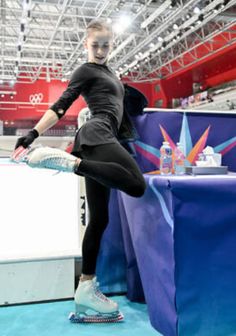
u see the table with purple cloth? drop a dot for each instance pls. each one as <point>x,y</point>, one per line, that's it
<point>180,244</point>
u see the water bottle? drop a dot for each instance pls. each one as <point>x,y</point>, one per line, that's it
<point>166,159</point>
<point>179,166</point>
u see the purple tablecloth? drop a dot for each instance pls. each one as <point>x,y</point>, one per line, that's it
<point>181,238</point>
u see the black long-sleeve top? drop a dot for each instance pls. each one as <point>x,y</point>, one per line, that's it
<point>100,87</point>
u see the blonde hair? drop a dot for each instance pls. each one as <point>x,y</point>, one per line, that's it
<point>99,25</point>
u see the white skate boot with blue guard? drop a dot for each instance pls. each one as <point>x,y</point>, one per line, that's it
<point>51,158</point>
<point>92,306</point>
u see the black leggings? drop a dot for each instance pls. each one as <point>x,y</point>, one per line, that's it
<point>104,167</point>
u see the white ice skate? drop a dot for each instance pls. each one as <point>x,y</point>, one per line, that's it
<point>92,306</point>
<point>51,158</point>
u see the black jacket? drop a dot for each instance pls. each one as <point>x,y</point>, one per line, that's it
<point>134,103</point>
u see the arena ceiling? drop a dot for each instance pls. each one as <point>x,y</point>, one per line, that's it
<point>43,39</point>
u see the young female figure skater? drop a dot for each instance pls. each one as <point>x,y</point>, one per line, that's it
<point>97,154</point>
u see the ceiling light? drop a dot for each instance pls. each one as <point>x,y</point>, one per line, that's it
<point>122,24</point>
<point>26,4</point>
<point>196,10</point>
<point>23,21</point>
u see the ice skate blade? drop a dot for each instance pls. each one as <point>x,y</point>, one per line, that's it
<point>97,318</point>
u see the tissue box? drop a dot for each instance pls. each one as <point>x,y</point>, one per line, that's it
<point>216,158</point>
<point>194,170</point>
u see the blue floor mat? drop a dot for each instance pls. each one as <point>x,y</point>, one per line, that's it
<point>51,319</point>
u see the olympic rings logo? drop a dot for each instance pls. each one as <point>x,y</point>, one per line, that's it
<point>36,98</point>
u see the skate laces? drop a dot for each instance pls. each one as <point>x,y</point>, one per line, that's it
<point>51,162</point>
<point>98,293</point>
<point>54,160</point>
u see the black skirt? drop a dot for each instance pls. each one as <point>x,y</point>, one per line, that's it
<point>99,130</point>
